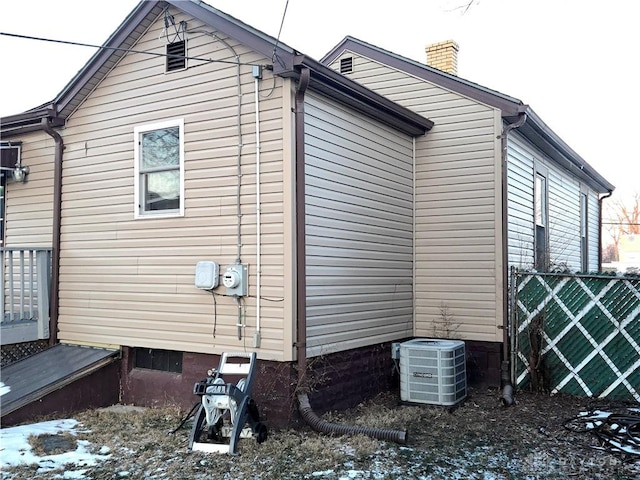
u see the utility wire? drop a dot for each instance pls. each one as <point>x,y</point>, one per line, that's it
<point>117,49</point>
<point>275,47</point>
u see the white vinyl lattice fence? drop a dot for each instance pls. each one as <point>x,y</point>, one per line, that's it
<point>577,334</point>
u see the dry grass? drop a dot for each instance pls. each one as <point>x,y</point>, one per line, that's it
<point>48,444</point>
<point>480,439</point>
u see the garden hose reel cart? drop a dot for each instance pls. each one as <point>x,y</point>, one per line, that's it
<point>226,408</point>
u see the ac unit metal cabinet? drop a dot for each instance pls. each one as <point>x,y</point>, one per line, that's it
<point>433,371</point>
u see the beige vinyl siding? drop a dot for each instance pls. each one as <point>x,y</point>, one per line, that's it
<point>359,229</point>
<point>28,220</point>
<point>29,206</point>
<point>131,282</point>
<point>457,205</point>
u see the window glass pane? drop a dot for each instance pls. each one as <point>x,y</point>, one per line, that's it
<point>541,196</point>
<point>160,148</point>
<point>143,357</point>
<point>163,360</point>
<point>162,190</point>
<point>540,262</point>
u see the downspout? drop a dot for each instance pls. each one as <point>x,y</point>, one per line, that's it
<point>309,416</point>
<point>505,370</point>
<point>301,270</point>
<point>600,229</point>
<point>57,216</point>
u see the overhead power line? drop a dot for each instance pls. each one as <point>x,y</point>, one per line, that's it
<point>275,47</point>
<point>118,49</point>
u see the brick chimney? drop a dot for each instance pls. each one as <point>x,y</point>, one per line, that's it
<point>443,56</point>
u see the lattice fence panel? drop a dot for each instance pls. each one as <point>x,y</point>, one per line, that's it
<point>578,334</point>
<point>18,351</point>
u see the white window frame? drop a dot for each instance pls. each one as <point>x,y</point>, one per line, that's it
<point>541,253</point>
<point>139,212</point>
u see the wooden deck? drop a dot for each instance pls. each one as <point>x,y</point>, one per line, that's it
<point>34,377</point>
<point>26,288</point>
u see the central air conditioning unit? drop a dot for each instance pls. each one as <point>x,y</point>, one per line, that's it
<point>433,371</point>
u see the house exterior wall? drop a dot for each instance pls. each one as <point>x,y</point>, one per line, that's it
<point>130,282</point>
<point>29,206</point>
<point>359,229</point>
<point>520,180</point>
<point>564,210</point>
<point>593,240</point>
<point>458,263</point>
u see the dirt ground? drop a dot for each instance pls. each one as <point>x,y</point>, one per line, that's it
<point>479,439</point>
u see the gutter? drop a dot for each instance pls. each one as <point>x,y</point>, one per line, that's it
<point>57,216</point>
<point>344,90</point>
<point>505,369</point>
<point>563,153</point>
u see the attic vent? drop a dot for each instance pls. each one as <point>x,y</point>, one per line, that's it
<point>176,56</point>
<point>346,65</point>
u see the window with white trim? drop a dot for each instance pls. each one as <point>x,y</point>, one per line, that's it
<point>159,169</point>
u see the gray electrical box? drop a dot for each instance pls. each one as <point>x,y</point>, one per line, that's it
<point>395,350</point>
<point>207,274</point>
<point>236,279</point>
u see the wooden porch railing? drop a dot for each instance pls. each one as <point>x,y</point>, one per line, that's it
<point>26,284</point>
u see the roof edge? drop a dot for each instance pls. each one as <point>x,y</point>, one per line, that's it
<point>99,58</point>
<point>287,62</point>
<point>365,100</point>
<point>510,107</point>
<point>584,169</point>
<point>27,122</point>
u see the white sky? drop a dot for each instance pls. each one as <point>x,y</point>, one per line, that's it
<point>575,62</point>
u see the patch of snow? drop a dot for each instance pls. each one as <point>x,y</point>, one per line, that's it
<point>352,474</point>
<point>17,451</point>
<point>594,415</point>
<point>4,389</point>
<point>73,474</point>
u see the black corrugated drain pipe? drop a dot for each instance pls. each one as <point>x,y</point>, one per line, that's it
<point>315,422</point>
<point>320,425</point>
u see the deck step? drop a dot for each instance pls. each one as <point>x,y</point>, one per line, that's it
<point>34,377</point>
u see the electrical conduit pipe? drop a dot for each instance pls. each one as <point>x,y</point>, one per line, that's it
<point>256,339</point>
